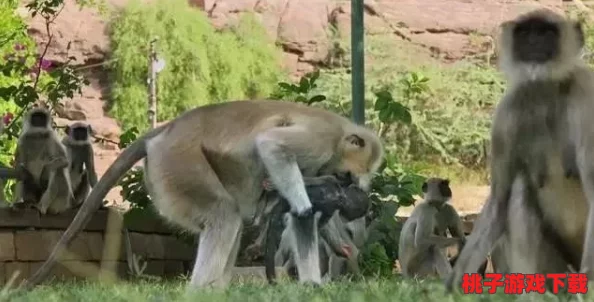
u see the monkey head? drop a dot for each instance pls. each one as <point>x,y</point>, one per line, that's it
<point>362,155</point>
<point>437,190</point>
<point>79,132</point>
<point>37,120</point>
<point>540,44</point>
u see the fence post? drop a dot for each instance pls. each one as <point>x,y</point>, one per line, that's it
<point>358,61</point>
<point>152,81</point>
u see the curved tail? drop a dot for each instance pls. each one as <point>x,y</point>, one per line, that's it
<point>135,152</point>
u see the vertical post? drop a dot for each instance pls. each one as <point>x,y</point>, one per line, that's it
<point>357,61</point>
<point>152,81</point>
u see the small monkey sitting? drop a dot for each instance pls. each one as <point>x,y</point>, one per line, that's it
<point>423,235</point>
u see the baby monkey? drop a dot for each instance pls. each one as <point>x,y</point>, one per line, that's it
<point>423,237</point>
<point>329,194</point>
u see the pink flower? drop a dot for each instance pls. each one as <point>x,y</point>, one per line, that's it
<point>45,64</point>
<point>7,118</point>
<point>19,47</point>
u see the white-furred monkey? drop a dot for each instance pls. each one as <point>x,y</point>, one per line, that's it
<point>543,145</point>
<point>204,172</point>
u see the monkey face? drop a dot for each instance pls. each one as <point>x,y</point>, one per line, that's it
<point>437,189</point>
<point>39,119</point>
<point>536,40</point>
<point>80,133</point>
<point>360,159</point>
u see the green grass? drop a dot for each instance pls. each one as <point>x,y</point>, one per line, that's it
<point>372,290</point>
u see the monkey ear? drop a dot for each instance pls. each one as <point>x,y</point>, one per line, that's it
<point>424,187</point>
<point>446,182</point>
<point>355,140</point>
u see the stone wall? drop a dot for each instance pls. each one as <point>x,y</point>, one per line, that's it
<point>27,238</point>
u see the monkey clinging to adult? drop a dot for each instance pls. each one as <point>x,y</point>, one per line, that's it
<point>204,172</point>
<point>42,161</point>
<point>82,160</point>
<point>542,127</point>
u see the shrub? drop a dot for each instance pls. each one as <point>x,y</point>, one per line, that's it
<point>203,65</point>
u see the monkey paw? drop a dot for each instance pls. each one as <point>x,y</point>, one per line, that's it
<point>303,212</point>
<point>42,209</point>
<point>267,185</point>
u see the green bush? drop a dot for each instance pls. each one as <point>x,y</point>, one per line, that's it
<point>203,65</point>
<point>451,104</point>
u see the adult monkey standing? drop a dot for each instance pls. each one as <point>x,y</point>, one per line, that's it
<point>542,190</point>
<point>204,170</point>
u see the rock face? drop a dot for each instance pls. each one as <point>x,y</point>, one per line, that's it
<point>451,30</point>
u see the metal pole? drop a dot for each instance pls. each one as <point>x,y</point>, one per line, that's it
<point>357,61</point>
<point>152,105</point>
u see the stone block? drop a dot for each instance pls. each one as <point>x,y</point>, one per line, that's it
<point>14,218</point>
<point>63,220</point>
<point>176,249</point>
<point>23,269</point>
<point>148,246</point>
<point>2,273</point>
<point>173,268</point>
<point>37,245</point>
<point>7,250</point>
<point>155,268</point>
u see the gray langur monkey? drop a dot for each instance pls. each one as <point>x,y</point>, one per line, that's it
<point>338,253</point>
<point>329,194</point>
<point>423,238</point>
<point>541,135</point>
<point>42,160</point>
<point>204,172</point>
<point>82,160</point>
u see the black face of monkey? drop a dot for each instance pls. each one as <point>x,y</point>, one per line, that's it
<point>536,41</point>
<point>39,119</point>
<point>79,133</point>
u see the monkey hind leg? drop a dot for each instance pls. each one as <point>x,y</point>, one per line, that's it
<point>305,247</point>
<point>81,192</point>
<point>217,250</point>
<point>57,198</point>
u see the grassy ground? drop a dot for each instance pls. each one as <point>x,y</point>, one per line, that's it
<point>374,290</point>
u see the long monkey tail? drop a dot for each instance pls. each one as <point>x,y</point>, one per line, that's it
<point>135,152</point>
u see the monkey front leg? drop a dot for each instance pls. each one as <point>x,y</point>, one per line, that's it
<point>274,148</point>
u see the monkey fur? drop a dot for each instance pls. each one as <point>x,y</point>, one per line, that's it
<point>204,172</point>
<point>42,162</point>
<point>423,237</point>
<point>542,124</point>
<point>328,194</point>
<point>82,160</point>
<point>338,251</point>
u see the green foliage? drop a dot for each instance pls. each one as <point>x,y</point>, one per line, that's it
<point>27,78</point>
<point>300,93</point>
<point>203,65</point>
<point>450,105</point>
